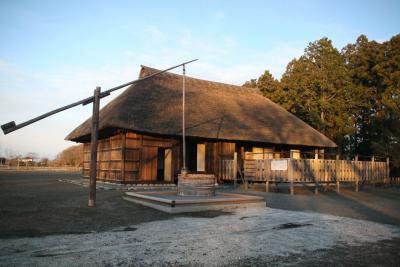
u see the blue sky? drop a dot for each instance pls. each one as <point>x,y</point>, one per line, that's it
<point>55,52</point>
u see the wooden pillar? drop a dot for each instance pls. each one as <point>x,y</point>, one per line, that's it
<point>109,172</point>
<point>266,174</point>
<point>123,140</point>
<point>374,179</point>
<point>290,173</point>
<point>356,174</point>
<point>336,174</point>
<point>318,167</point>
<point>387,174</point>
<point>235,164</point>
<point>318,164</point>
<point>93,152</point>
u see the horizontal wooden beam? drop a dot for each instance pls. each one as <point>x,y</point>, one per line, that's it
<point>11,126</point>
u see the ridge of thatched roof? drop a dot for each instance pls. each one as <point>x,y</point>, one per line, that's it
<point>213,111</point>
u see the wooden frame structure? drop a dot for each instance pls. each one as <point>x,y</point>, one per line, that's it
<point>314,172</point>
<point>128,157</point>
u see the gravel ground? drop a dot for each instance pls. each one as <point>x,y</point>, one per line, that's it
<point>47,222</point>
<point>257,236</point>
<point>381,204</point>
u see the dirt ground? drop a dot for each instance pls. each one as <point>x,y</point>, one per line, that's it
<point>36,204</point>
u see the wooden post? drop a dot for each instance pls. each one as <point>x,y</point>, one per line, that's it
<point>265,174</point>
<point>235,159</point>
<point>356,174</point>
<point>290,173</point>
<point>388,169</point>
<point>316,176</point>
<point>336,174</point>
<point>318,167</point>
<point>374,180</point>
<point>93,151</point>
<point>123,140</point>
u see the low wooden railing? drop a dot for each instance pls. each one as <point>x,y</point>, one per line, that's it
<point>315,170</point>
<point>308,171</point>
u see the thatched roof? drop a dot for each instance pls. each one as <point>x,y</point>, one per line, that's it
<point>213,110</point>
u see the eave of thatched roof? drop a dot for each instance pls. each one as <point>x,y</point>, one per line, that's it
<point>213,111</point>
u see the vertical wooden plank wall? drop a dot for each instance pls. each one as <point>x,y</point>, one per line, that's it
<point>215,153</point>
<point>109,159</point>
<point>86,160</point>
<point>126,158</point>
<point>132,157</point>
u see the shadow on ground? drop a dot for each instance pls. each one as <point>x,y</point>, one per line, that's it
<point>37,204</point>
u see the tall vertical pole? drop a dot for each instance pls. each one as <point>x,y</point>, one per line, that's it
<point>93,150</point>
<point>184,169</point>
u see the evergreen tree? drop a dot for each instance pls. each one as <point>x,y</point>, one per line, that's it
<point>318,90</point>
<point>268,86</point>
<point>375,75</point>
<point>352,96</point>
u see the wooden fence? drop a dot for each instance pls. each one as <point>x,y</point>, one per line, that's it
<point>229,169</point>
<point>314,170</point>
<point>309,171</point>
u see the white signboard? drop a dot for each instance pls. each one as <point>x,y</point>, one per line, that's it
<point>278,165</point>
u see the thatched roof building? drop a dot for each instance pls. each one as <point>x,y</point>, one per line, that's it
<point>140,129</point>
<point>214,111</point>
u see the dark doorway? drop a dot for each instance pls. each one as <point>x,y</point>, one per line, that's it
<point>195,155</point>
<point>191,154</point>
<point>160,164</point>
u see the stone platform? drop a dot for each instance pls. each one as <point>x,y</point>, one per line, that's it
<point>171,202</point>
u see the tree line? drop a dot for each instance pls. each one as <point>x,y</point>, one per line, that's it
<point>351,95</point>
<point>71,156</point>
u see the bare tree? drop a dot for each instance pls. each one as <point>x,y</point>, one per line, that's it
<point>71,156</point>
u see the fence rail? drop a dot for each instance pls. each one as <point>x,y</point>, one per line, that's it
<point>315,170</point>
<point>309,171</point>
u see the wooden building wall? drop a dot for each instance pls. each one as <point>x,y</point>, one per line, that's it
<point>215,153</point>
<point>127,158</point>
<point>132,158</point>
